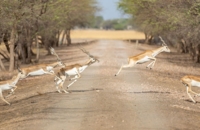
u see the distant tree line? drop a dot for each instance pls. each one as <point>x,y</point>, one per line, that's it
<point>113,24</point>
<point>24,22</point>
<point>178,21</point>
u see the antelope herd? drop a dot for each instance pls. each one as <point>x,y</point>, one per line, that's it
<point>75,71</point>
<point>41,69</point>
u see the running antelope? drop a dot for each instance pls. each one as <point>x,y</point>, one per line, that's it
<point>42,69</point>
<point>191,81</point>
<point>9,85</point>
<point>145,57</point>
<point>72,70</point>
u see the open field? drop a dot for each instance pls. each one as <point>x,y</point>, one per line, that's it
<point>106,34</point>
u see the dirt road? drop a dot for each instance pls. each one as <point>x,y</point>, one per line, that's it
<point>136,99</point>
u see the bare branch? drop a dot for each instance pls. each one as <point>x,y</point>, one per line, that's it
<point>4,56</point>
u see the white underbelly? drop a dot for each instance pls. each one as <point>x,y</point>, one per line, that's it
<point>195,83</point>
<point>71,72</point>
<point>81,69</point>
<point>37,72</point>
<point>5,86</point>
<point>143,60</point>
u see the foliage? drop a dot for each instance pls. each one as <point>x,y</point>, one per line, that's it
<point>97,22</point>
<point>22,20</point>
<point>116,24</point>
<point>174,19</point>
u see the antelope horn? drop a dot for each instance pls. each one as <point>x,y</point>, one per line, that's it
<point>86,52</point>
<point>53,52</point>
<point>19,69</point>
<point>163,42</point>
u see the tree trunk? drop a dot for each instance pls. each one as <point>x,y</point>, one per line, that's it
<point>179,47</point>
<point>2,66</point>
<point>198,59</point>
<point>5,40</point>
<point>146,38</point>
<point>68,37</point>
<point>23,52</point>
<point>29,51</point>
<point>58,39</point>
<point>62,38</point>
<point>29,54</point>
<point>185,45</point>
<point>12,42</point>
<point>198,53</point>
<point>38,49</point>
<point>46,45</point>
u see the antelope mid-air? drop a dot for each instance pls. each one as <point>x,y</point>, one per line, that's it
<point>42,69</point>
<point>9,85</point>
<point>72,70</point>
<point>145,57</point>
<point>191,81</point>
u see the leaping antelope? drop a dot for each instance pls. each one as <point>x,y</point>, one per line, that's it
<point>42,69</point>
<point>72,70</point>
<point>189,81</point>
<point>9,85</point>
<point>145,57</point>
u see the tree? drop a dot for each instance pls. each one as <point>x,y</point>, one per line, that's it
<point>175,20</point>
<point>97,22</point>
<point>23,21</point>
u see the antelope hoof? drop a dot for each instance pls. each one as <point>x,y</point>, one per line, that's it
<point>8,96</point>
<point>65,91</point>
<point>194,101</point>
<point>11,92</point>
<point>8,103</point>
<point>59,91</point>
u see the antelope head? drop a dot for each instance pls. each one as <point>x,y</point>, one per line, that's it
<point>21,73</point>
<point>19,70</point>
<point>166,48</point>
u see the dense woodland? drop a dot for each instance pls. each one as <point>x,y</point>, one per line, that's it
<point>178,21</point>
<point>40,22</point>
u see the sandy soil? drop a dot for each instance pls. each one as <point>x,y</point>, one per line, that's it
<point>138,98</point>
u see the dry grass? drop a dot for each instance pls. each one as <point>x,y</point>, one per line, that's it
<point>106,34</point>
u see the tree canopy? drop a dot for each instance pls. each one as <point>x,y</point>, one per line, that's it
<point>176,20</point>
<point>22,21</point>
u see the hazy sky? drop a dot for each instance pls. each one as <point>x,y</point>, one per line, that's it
<point>109,9</point>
